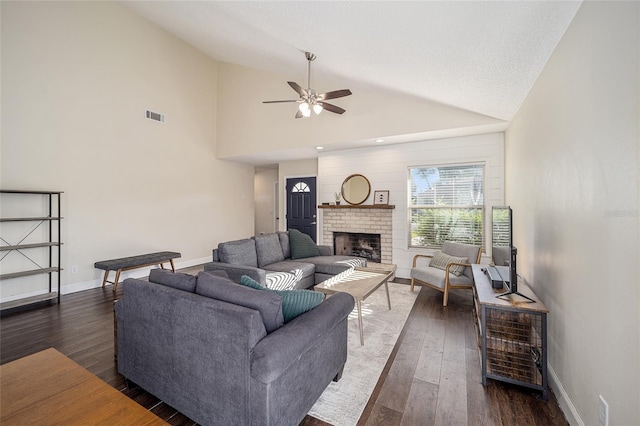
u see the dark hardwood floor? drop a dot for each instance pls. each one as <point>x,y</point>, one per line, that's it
<point>432,376</point>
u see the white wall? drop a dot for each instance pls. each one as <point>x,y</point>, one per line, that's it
<point>76,79</point>
<point>265,200</point>
<point>572,155</point>
<point>386,168</point>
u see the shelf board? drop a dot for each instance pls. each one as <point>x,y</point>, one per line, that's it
<point>28,246</point>
<point>28,301</point>
<point>28,219</point>
<point>487,294</point>
<point>27,273</point>
<point>17,191</point>
<point>357,206</point>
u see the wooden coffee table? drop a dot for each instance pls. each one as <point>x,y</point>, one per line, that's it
<point>360,283</point>
<point>49,388</point>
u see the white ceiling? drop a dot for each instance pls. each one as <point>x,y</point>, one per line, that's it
<point>481,56</point>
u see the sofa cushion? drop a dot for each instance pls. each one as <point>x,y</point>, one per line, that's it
<point>219,273</point>
<point>283,280</point>
<point>302,245</point>
<point>441,260</point>
<point>436,277</point>
<point>333,265</point>
<point>294,302</point>
<point>239,252</point>
<point>268,249</point>
<point>284,243</point>
<point>269,304</point>
<point>308,269</point>
<point>172,279</point>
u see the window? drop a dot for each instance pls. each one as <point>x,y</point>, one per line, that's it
<point>301,187</point>
<point>446,203</point>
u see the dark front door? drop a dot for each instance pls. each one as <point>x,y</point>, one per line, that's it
<point>301,205</point>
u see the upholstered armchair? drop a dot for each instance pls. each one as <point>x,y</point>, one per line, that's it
<point>446,269</point>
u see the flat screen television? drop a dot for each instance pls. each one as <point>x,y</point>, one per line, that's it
<point>503,251</point>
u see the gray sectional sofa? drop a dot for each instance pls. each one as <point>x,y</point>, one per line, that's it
<point>280,252</point>
<point>219,352</point>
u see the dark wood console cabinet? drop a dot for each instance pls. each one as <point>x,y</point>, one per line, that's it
<point>512,335</point>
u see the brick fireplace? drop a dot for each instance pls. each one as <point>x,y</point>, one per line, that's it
<point>359,220</point>
<point>357,244</point>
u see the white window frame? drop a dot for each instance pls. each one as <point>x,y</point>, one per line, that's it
<point>481,207</point>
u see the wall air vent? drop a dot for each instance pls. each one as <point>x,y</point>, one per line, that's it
<point>155,116</point>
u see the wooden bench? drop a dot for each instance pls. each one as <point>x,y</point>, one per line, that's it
<point>133,262</point>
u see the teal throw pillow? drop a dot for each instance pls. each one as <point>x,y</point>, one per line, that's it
<point>301,245</point>
<point>294,302</point>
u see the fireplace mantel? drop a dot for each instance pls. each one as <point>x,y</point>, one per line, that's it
<point>358,206</point>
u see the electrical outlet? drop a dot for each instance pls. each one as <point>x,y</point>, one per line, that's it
<point>74,269</point>
<point>603,411</point>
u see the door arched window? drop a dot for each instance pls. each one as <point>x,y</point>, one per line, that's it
<point>300,187</point>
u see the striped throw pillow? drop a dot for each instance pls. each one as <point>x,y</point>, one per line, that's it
<point>283,280</point>
<point>440,260</point>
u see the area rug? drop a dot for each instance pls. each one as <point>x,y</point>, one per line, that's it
<point>343,402</point>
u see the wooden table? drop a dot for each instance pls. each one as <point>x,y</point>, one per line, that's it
<point>48,388</point>
<point>360,283</point>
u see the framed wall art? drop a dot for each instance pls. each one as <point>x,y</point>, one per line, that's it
<point>381,197</point>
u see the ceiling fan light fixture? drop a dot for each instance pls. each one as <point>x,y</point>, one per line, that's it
<point>310,99</point>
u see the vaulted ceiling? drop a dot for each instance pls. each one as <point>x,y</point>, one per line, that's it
<point>481,56</point>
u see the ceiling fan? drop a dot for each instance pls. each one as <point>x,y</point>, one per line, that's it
<point>310,99</point>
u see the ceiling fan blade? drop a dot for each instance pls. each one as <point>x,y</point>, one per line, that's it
<point>278,102</point>
<point>295,86</point>
<point>298,114</point>
<point>332,108</point>
<point>334,94</point>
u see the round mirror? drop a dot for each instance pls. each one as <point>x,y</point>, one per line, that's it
<point>356,189</point>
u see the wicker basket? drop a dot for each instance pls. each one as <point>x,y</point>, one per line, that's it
<point>509,325</point>
<point>516,366</point>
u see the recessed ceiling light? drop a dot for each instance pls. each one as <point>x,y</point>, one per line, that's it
<point>379,140</point>
<point>319,148</point>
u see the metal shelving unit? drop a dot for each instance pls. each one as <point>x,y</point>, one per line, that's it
<point>52,220</point>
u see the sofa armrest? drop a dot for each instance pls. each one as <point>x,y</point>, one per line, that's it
<point>277,351</point>
<point>325,250</point>
<point>235,272</point>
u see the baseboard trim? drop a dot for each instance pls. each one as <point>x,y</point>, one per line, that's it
<point>193,262</point>
<point>136,273</point>
<point>564,401</point>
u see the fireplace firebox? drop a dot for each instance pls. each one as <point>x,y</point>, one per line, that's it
<point>358,244</point>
